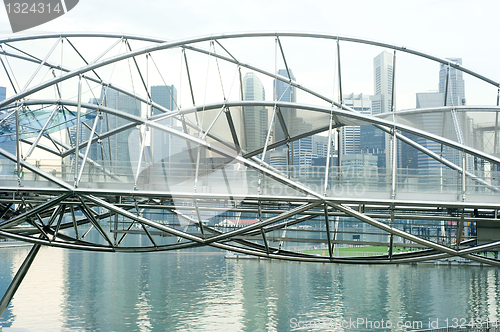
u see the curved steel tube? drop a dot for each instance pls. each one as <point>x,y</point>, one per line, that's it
<point>308,200</point>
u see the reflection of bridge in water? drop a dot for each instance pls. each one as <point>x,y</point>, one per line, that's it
<point>126,165</point>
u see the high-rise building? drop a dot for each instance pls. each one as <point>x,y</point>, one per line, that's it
<point>372,141</point>
<point>164,145</point>
<point>456,85</point>
<point>382,76</point>
<point>303,148</point>
<point>164,95</point>
<point>444,124</point>
<point>283,91</point>
<point>119,153</point>
<point>432,123</point>
<point>457,126</point>
<point>95,150</point>
<point>254,117</point>
<point>382,101</point>
<point>367,139</point>
<point>452,125</point>
<point>8,143</point>
<point>361,165</point>
<point>351,135</point>
<point>319,146</point>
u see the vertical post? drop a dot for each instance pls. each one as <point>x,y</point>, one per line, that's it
<point>275,69</point>
<point>18,278</point>
<point>394,140</point>
<point>78,120</point>
<point>75,223</point>
<point>391,237</point>
<point>394,154</point>
<point>242,97</point>
<point>393,86</point>
<point>460,229</point>
<point>445,103</point>
<point>197,209</point>
<point>339,154</point>
<point>334,238</point>
<point>18,148</point>
<point>189,77</point>
<point>341,101</point>
<point>265,240</point>
<point>394,163</point>
<point>495,142</point>
<point>142,137</point>
<point>89,143</point>
<point>328,151</point>
<point>268,136</point>
<point>464,169</point>
<point>446,85</point>
<point>288,162</point>
<point>339,72</point>
<point>232,128</point>
<point>328,235</point>
<point>115,224</point>
<point>105,101</point>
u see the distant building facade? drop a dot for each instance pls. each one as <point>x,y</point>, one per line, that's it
<point>254,117</point>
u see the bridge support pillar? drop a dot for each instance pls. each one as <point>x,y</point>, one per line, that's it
<point>18,278</point>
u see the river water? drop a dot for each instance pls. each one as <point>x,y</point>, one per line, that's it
<point>68,290</point>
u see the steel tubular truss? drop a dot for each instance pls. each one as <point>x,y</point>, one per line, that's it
<point>118,164</point>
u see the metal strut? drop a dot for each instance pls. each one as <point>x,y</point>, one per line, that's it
<point>18,278</point>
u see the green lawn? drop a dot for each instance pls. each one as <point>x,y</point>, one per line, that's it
<point>363,251</point>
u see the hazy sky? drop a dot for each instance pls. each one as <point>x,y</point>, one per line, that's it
<point>445,28</point>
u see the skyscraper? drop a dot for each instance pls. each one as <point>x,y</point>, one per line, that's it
<point>302,148</point>
<point>451,125</point>
<point>429,122</point>
<point>382,101</point>
<point>255,117</point>
<point>164,145</point>
<point>283,91</point>
<point>368,139</point>
<point>164,95</point>
<point>382,76</point>
<point>372,141</point>
<point>8,143</point>
<point>351,135</point>
<point>95,151</point>
<point>456,86</point>
<point>119,154</point>
<point>457,126</point>
<point>436,122</point>
<point>320,146</point>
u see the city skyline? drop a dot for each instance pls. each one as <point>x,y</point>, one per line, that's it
<point>134,216</point>
<point>431,38</point>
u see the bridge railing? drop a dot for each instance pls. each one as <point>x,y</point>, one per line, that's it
<point>344,181</point>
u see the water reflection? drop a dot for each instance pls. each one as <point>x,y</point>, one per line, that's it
<point>41,292</point>
<point>77,290</point>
